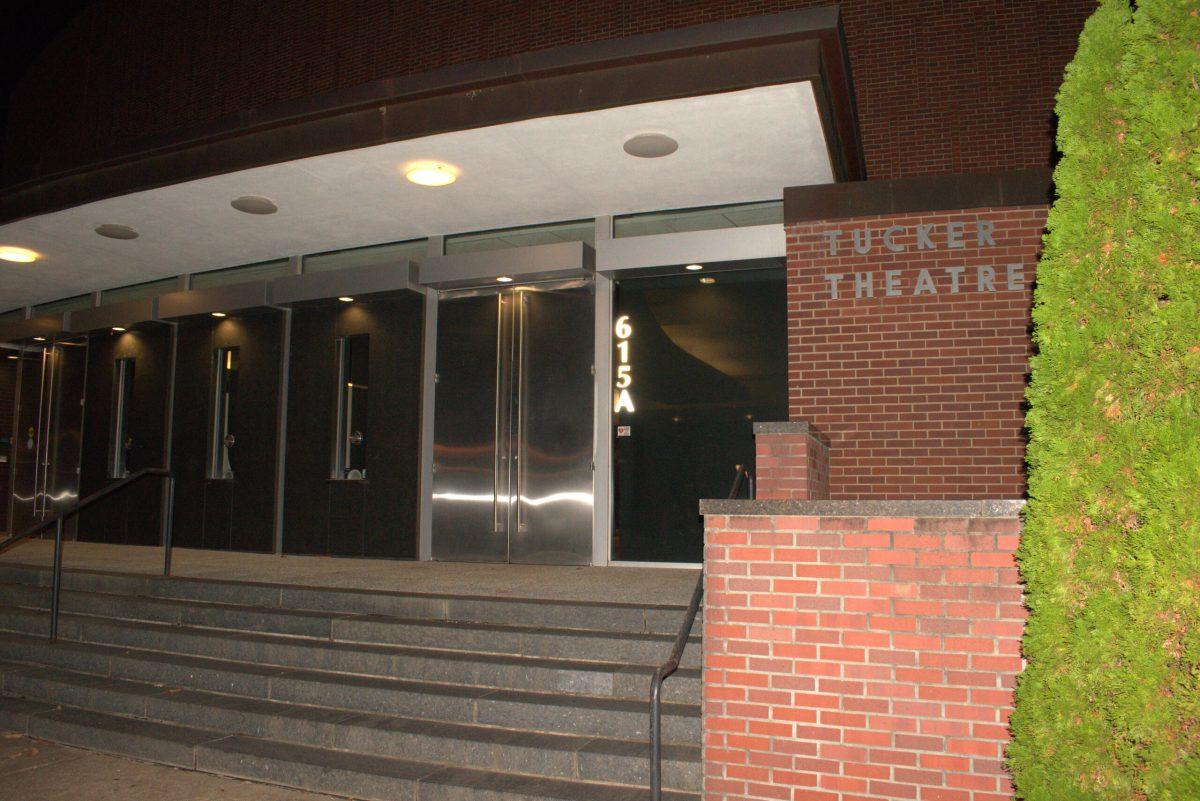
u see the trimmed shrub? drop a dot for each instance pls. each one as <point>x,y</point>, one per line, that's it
<point>1109,705</point>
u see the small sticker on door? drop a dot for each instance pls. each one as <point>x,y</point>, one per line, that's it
<point>623,431</point>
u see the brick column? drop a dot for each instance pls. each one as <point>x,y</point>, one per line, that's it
<point>791,462</point>
<point>859,650</point>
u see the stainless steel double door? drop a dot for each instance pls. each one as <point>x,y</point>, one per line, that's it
<point>513,425</point>
<point>48,426</point>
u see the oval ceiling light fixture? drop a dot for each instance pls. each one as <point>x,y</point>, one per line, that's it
<point>117,329</point>
<point>18,255</point>
<point>504,279</point>
<point>254,204</point>
<point>650,145</point>
<point>694,267</point>
<point>431,173</point>
<point>114,231</point>
<point>218,314</point>
<point>346,299</point>
<point>708,279</point>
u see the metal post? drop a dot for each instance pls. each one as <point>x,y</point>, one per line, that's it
<point>167,520</point>
<point>57,586</point>
<point>656,736</point>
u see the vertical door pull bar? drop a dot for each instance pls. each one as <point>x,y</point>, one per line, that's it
<point>522,348</point>
<point>498,522</point>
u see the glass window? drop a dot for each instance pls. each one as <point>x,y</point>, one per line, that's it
<point>574,231</point>
<point>121,441</point>
<point>261,271</point>
<point>350,460</point>
<point>696,360</point>
<point>225,369</point>
<point>64,305</point>
<point>364,257</point>
<point>740,215</point>
<point>146,289</point>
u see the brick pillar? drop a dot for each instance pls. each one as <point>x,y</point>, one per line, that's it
<point>859,650</point>
<point>791,462</point>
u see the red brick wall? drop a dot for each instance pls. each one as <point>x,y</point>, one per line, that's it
<point>921,395</point>
<point>942,87</point>
<point>859,658</point>
<point>790,464</point>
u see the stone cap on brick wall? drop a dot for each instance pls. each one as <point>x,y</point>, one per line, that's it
<point>745,508</point>
<point>790,427</point>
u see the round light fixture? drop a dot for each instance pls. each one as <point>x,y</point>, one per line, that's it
<point>39,339</point>
<point>117,329</point>
<point>218,314</point>
<point>650,146</point>
<point>254,204</point>
<point>504,279</point>
<point>694,267</point>
<point>346,299</point>
<point>18,255</point>
<point>431,173</point>
<point>708,279</point>
<point>113,231</point>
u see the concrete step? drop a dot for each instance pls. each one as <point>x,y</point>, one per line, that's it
<point>583,644</point>
<point>602,616</point>
<point>568,756</point>
<point>463,667</point>
<point>357,775</point>
<point>29,660</point>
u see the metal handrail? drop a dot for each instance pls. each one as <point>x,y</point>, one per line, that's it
<point>98,495</point>
<point>672,664</point>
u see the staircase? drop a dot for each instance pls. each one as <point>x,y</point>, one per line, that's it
<point>363,694</point>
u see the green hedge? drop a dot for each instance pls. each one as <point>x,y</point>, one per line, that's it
<point>1109,705</point>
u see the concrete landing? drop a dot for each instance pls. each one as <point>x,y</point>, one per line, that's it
<point>551,582</point>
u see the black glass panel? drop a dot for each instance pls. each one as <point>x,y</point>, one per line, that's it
<point>703,361</point>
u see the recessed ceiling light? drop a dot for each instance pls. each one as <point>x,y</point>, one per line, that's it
<point>431,173</point>
<point>694,267</point>
<point>346,299</point>
<point>113,231</point>
<point>708,279</point>
<point>117,329</point>
<point>254,204</point>
<point>14,358</point>
<point>650,146</point>
<point>39,339</point>
<point>19,255</point>
<point>218,314</point>
<point>504,279</point>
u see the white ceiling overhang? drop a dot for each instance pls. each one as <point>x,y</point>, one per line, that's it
<point>733,147</point>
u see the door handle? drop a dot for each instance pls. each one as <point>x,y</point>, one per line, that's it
<point>521,449</point>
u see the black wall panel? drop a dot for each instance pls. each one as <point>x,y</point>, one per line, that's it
<point>132,516</point>
<point>376,516</point>
<point>235,513</point>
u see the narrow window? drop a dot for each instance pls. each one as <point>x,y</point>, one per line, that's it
<point>225,369</point>
<point>350,458</point>
<point>121,442</point>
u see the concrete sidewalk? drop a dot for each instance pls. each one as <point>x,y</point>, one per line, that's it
<point>35,770</point>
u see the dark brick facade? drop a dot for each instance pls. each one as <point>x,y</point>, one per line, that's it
<point>942,87</point>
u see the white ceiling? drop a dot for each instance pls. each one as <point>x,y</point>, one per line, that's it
<point>733,147</point>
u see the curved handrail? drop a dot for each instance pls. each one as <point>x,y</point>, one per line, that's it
<point>672,664</point>
<point>98,495</point>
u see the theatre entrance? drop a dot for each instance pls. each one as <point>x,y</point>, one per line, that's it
<point>513,424</point>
